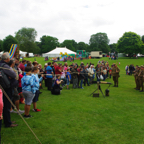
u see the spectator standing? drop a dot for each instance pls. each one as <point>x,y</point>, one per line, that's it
<point>110,72</point>
<point>7,105</point>
<point>68,77</point>
<point>86,76</point>
<point>63,76</point>
<point>126,69</point>
<point>28,90</point>
<point>82,77</point>
<point>15,95</point>
<point>21,66</point>
<point>75,76</point>
<point>104,73</point>
<point>58,69</point>
<point>91,72</point>
<point>1,110</point>
<point>49,77</point>
<point>37,83</point>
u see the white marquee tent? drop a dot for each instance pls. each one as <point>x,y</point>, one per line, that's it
<point>22,54</point>
<point>56,52</point>
<point>31,55</point>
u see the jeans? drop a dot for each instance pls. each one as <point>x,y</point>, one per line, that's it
<point>110,75</point>
<point>81,83</point>
<point>86,81</point>
<point>104,77</point>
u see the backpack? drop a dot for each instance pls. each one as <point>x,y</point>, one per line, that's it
<point>4,81</point>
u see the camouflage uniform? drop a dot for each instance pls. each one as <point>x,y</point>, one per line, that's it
<point>136,72</point>
<point>115,74</point>
<point>140,77</point>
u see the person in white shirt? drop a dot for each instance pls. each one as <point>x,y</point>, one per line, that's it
<point>91,72</point>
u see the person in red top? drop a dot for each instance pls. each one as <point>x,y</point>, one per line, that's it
<point>20,89</point>
<point>21,66</point>
<point>58,69</point>
<point>110,71</point>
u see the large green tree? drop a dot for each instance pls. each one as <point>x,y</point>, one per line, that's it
<point>113,47</point>
<point>143,38</point>
<point>7,42</point>
<point>1,45</point>
<point>130,43</point>
<point>68,44</point>
<point>48,43</point>
<point>81,46</point>
<point>99,42</point>
<point>26,38</point>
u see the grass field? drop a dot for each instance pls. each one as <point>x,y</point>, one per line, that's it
<point>74,117</point>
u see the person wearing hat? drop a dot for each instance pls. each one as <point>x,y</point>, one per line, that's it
<point>115,74</point>
<point>140,77</point>
<point>136,72</point>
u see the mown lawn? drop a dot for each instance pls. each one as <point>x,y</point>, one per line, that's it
<point>74,117</point>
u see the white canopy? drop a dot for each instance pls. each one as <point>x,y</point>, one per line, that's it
<point>56,52</point>
<point>1,52</point>
<point>31,55</point>
<point>22,54</point>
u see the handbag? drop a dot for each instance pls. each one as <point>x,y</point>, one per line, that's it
<point>101,77</point>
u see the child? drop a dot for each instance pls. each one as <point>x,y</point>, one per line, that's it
<point>68,77</point>
<point>63,76</point>
<point>28,90</point>
<point>37,81</point>
<point>20,89</point>
<point>110,71</point>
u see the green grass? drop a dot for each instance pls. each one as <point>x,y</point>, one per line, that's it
<point>74,117</point>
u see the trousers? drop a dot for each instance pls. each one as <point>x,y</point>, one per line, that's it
<point>115,79</point>
<point>49,83</point>
<point>7,107</point>
<point>75,83</point>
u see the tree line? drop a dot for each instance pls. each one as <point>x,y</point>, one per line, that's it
<point>130,43</point>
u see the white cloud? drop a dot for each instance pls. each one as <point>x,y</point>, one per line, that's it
<point>77,19</point>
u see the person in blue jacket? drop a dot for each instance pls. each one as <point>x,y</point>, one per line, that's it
<point>49,76</point>
<point>37,84</point>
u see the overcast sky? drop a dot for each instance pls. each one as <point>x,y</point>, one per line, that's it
<point>72,19</point>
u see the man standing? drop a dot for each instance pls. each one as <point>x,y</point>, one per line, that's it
<point>115,74</point>
<point>49,77</point>
<point>7,105</point>
<point>58,69</point>
<point>75,76</point>
<point>90,70</point>
<point>140,77</point>
<point>21,66</point>
<point>135,73</point>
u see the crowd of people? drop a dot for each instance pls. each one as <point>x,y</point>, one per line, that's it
<point>26,80</point>
<point>138,73</point>
<point>77,75</point>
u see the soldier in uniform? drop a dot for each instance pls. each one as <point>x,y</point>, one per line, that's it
<point>136,72</point>
<point>115,74</point>
<point>140,77</point>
